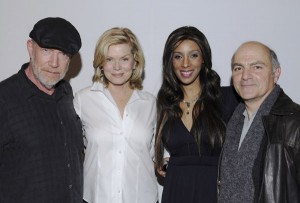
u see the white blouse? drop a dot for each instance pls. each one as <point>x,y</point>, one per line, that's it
<point>118,166</point>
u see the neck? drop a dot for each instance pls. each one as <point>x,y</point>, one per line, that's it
<point>121,95</point>
<point>119,89</point>
<point>191,94</point>
<point>253,105</point>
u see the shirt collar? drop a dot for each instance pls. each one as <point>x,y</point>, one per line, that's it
<point>245,113</point>
<point>136,95</point>
<point>98,86</point>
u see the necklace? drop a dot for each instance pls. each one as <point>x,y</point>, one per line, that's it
<point>188,104</point>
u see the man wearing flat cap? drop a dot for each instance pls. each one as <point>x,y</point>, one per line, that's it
<point>41,146</point>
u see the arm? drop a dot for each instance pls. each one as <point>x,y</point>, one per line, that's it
<point>296,151</point>
<point>162,170</point>
<point>77,106</point>
<point>3,129</point>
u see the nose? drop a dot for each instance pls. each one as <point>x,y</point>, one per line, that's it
<point>116,66</point>
<point>186,62</point>
<point>246,74</point>
<point>53,61</point>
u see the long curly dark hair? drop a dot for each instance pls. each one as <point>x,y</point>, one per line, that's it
<point>208,105</point>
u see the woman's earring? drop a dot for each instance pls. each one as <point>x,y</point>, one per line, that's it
<point>99,72</point>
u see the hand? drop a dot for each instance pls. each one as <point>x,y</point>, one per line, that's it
<point>162,170</point>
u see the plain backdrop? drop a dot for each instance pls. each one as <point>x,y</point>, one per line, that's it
<point>226,25</point>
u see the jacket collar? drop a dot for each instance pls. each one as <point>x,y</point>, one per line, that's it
<point>284,105</point>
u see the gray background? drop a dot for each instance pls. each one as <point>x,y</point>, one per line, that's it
<point>225,23</point>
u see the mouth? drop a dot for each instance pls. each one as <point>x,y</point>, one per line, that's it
<point>186,73</point>
<point>52,72</point>
<point>119,75</point>
<point>246,85</point>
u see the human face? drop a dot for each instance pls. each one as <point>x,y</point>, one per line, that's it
<point>252,74</point>
<point>119,65</point>
<point>49,66</point>
<point>187,61</point>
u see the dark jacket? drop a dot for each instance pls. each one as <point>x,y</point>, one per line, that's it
<point>41,145</point>
<point>281,169</point>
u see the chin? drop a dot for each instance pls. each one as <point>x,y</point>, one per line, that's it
<point>247,97</point>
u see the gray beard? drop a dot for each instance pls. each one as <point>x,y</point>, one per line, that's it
<point>39,77</point>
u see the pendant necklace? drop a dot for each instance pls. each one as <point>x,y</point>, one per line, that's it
<point>188,104</point>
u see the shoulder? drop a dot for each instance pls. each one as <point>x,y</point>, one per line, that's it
<point>64,85</point>
<point>11,88</point>
<point>8,82</point>
<point>16,82</point>
<point>146,95</point>
<point>285,105</point>
<point>229,101</point>
<point>229,91</point>
<point>83,96</point>
<point>83,91</point>
<point>284,119</point>
<point>229,96</point>
<point>144,102</point>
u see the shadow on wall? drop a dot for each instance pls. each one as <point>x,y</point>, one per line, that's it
<point>74,67</point>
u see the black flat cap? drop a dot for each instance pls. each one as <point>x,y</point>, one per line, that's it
<point>56,33</point>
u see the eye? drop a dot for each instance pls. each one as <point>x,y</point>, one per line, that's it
<point>126,59</point>
<point>177,56</point>
<point>46,51</point>
<point>108,59</point>
<point>194,55</point>
<point>237,68</point>
<point>64,55</point>
<point>257,67</point>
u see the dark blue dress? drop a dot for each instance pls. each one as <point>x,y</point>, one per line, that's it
<point>191,178</point>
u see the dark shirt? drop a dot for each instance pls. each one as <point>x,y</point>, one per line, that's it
<point>41,146</point>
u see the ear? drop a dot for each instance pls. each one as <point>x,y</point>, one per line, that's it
<point>30,47</point>
<point>277,74</point>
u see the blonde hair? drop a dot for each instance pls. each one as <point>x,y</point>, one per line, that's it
<point>116,36</point>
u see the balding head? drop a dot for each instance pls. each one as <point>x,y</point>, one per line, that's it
<point>255,71</point>
<point>262,47</point>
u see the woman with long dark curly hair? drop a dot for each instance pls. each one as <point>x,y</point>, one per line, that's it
<point>191,119</point>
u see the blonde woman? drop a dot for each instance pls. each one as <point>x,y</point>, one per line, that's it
<point>119,122</point>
